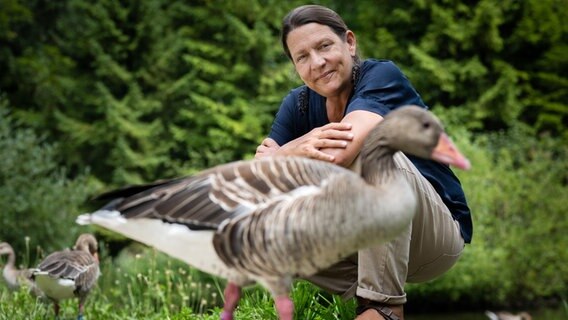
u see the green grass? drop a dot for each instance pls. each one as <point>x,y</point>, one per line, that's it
<point>144,284</point>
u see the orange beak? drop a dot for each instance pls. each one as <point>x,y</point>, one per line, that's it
<point>446,152</point>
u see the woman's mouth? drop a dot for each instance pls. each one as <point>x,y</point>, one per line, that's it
<point>325,75</point>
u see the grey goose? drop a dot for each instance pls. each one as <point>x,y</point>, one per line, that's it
<point>71,273</point>
<point>272,219</point>
<point>16,278</point>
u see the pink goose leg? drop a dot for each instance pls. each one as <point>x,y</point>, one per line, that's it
<point>232,295</point>
<point>285,307</point>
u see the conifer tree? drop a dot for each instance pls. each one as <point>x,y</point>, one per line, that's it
<point>146,90</point>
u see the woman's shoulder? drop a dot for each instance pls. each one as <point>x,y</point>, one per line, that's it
<point>375,61</point>
<point>296,91</point>
<point>293,96</point>
<point>296,101</point>
<point>300,97</point>
<point>382,66</point>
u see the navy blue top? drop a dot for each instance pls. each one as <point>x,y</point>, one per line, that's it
<point>381,87</point>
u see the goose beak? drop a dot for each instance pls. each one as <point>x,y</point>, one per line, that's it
<point>446,152</point>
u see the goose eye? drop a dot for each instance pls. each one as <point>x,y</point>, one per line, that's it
<point>425,125</point>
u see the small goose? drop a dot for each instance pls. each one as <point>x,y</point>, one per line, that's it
<point>69,273</point>
<point>504,315</point>
<point>16,278</point>
<point>270,220</point>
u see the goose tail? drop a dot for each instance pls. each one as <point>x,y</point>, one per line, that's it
<point>178,241</point>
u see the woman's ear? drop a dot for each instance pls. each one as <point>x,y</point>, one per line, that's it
<point>351,42</point>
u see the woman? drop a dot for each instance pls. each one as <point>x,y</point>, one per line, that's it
<point>327,119</point>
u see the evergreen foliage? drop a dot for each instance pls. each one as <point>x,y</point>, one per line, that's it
<point>492,62</point>
<point>146,90</point>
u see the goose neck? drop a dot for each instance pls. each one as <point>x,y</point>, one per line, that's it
<point>11,260</point>
<point>10,272</point>
<point>378,167</point>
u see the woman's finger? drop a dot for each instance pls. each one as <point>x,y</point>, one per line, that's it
<point>330,143</point>
<point>268,142</point>
<point>318,155</point>
<point>337,126</point>
<point>336,134</point>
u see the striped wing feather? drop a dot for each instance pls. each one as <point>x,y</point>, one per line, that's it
<point>225,192</point>
<point>78,266</point>
<point>285,237</point>
<point>68,264</point>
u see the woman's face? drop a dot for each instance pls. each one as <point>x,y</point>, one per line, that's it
<point>322,59</point>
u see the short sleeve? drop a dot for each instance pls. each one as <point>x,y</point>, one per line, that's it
<point>381,88</point>
<point>282,129</point>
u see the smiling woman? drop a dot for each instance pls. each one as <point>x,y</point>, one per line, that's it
<point>323,61</point>
<point>328,118</point>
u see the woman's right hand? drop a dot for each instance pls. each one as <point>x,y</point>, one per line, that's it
<point>334,135</point>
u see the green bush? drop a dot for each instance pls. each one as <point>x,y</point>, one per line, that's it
<point>516,190</point>
<point>38,202</point>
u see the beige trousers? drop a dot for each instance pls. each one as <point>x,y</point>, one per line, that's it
<point>429,247</point>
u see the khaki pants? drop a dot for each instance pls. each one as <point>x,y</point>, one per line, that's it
<point>429,247</point>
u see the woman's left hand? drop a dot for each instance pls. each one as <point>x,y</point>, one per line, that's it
<point>266,148</point>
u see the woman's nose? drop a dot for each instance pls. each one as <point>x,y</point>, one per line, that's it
<point>317,61</point>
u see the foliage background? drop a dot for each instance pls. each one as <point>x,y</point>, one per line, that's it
<point>100,94</point>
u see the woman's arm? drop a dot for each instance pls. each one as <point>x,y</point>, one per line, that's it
<point>335,135</point>
<point>337,142</point>
<point>363,122</point>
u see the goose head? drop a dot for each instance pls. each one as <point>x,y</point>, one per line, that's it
<point>6,249</point>
<point>415,131</point>
<point>88,243</point>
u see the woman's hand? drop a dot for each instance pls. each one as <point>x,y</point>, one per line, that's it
<point>267,147</point>
<point>333,135</point>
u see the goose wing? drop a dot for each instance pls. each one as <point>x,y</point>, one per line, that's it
<point>205,200</point>
<point>68,264</point>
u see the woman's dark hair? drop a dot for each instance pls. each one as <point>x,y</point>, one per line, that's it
<point>311,14</point>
